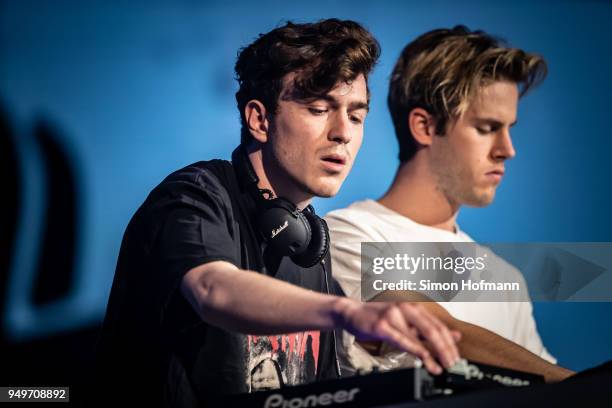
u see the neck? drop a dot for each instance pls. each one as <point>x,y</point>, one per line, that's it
<point>414,193</point>
<point>273,178</point>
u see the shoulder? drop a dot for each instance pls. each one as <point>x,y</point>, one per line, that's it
<point>195,191</point>
<point>203,175</point>
<point>498,266</point>
<point>196,183</point>
<point>355,221</point>
<point>355,210</point>
<point>500,269</point>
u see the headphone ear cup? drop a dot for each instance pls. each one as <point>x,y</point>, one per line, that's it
<point>318,247</point>
<point>285,229</point>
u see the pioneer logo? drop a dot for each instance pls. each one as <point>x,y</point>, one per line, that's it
<point>313,400</point>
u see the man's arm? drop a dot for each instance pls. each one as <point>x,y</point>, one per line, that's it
<point>249,302</point>
<point>481,345</point>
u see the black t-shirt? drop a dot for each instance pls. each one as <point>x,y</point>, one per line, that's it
<point>153,346</point>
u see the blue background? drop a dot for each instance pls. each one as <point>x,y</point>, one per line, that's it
<point>140,89</point>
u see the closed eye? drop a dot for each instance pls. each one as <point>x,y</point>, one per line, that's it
<point>487,130</point>
<point>356,119</point>
<point>317,111</point>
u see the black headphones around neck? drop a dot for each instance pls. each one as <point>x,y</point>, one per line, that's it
<point>287,231</point>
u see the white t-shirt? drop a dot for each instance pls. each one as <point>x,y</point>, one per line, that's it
<point>369,221</point>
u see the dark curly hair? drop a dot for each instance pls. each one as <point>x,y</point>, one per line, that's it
<point>321,54</point>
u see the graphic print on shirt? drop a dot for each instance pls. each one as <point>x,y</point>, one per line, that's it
<point>287,359</point>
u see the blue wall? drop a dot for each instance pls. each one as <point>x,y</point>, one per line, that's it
<point>135,91</point>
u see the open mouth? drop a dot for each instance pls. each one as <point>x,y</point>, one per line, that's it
<point>334,163</point>
<point>334,158</point>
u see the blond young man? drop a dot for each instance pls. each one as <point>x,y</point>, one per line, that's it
<point>453,99</point>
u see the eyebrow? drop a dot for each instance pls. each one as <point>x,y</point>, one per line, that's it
<point>493,122</point>
<point>353,106</point>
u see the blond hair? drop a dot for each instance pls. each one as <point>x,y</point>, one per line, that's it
<point>442,69</point>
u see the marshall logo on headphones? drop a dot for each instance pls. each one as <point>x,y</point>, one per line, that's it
<point>280,229</point>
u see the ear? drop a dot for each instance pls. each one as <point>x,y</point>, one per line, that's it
<point>256,119</point>
<point>422,126</point>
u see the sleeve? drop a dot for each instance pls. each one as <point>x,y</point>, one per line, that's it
<point>345,249</point>
<point>347,232</point>
<point>196,226</point>
<point>525,331</point>
<point>527,334</point>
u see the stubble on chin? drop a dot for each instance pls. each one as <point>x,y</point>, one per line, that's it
<point>480,197</point>
<point>459,189</point>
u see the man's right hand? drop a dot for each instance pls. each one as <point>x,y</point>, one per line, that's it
<point>405,325</point>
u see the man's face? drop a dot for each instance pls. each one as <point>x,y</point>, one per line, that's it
<point>468,161</point>
<point>265,376</point>
<point>313,143</point>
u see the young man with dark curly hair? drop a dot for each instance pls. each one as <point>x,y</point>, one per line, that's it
<point>223,283</point>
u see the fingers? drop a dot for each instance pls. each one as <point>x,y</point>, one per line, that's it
<point>447,338</point>
<point>409,327</point>
<point>456,335</point>
<point>407,342</point>
<point>397,320</point>
<point>412,321</point>
<point>437,337</point>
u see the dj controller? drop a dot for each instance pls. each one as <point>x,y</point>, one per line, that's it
<point>388,388</point>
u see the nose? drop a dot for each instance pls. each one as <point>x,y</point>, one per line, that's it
<point>503,148</point>
<point>340,130</point>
